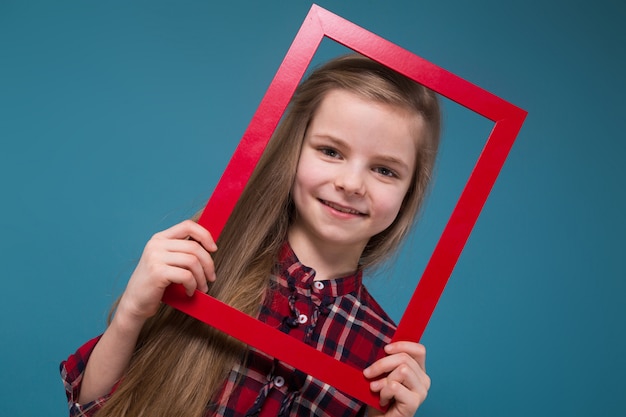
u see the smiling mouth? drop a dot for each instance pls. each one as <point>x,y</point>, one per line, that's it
<point>341,209</point>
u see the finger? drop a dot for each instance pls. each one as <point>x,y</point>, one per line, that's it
<point>146,287</point>
<point>190,229</point>
<point>389,363</point>
<point>405,390</point>
<point>176,275</point>
<point>405,401</point>
<point>414,378</point>
<point>206,262</point>
<point>194,248</point>
<point>189,262</point>
<point>416,350</point>
<point>387,390</point>
<point>411,377</point>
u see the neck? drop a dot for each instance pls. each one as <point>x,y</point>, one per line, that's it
<point>328,261</point>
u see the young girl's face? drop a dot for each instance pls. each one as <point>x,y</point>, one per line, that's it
<point>356,165</point>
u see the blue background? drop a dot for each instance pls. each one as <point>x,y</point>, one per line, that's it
<point>117,118</point>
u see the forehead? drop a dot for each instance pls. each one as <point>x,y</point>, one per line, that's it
<point>351,111</point>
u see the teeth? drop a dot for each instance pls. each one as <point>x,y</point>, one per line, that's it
<point>341,209</point>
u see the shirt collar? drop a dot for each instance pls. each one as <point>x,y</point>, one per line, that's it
<point>303,277</point>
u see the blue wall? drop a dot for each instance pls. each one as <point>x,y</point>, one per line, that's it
<point>117,118</point>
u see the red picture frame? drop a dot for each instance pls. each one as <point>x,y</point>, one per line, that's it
<point>508,119</point>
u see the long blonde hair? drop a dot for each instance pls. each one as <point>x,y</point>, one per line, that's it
<point>179,364</point>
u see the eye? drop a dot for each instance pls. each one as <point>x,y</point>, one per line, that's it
<point>330,152</point>
<point>386,172</point>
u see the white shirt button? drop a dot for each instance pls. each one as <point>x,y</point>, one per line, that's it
<point>302,319</point>
<point>318,285</point>
<point>279,381</point>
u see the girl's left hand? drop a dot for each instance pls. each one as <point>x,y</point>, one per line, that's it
<point>401,378</point>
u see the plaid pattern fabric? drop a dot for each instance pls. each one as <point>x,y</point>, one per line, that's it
<point>338,317</point>
<point>72,374</point>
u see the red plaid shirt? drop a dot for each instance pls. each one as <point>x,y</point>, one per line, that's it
<point>338,317</point>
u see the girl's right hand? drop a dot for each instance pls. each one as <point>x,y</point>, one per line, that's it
<point>180,255</point>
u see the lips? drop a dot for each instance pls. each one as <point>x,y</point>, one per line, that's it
<point>341,209</point>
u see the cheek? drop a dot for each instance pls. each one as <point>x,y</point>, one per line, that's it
<point>302,180</point>
<point>389,206</point>
<point>303,185</point>
<point>310,172</point>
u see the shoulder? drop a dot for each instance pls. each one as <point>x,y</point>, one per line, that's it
<point>376,313</point>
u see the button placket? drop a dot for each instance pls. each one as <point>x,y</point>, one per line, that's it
<point>279,381</point>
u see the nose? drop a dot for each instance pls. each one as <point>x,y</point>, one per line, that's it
<point>350,180</point>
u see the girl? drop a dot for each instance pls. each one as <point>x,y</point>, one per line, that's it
<point>335,193</point>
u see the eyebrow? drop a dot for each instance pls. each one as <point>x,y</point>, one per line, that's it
<point>392,160</point>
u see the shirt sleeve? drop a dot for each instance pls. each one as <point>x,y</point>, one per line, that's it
<point>72,371</point>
